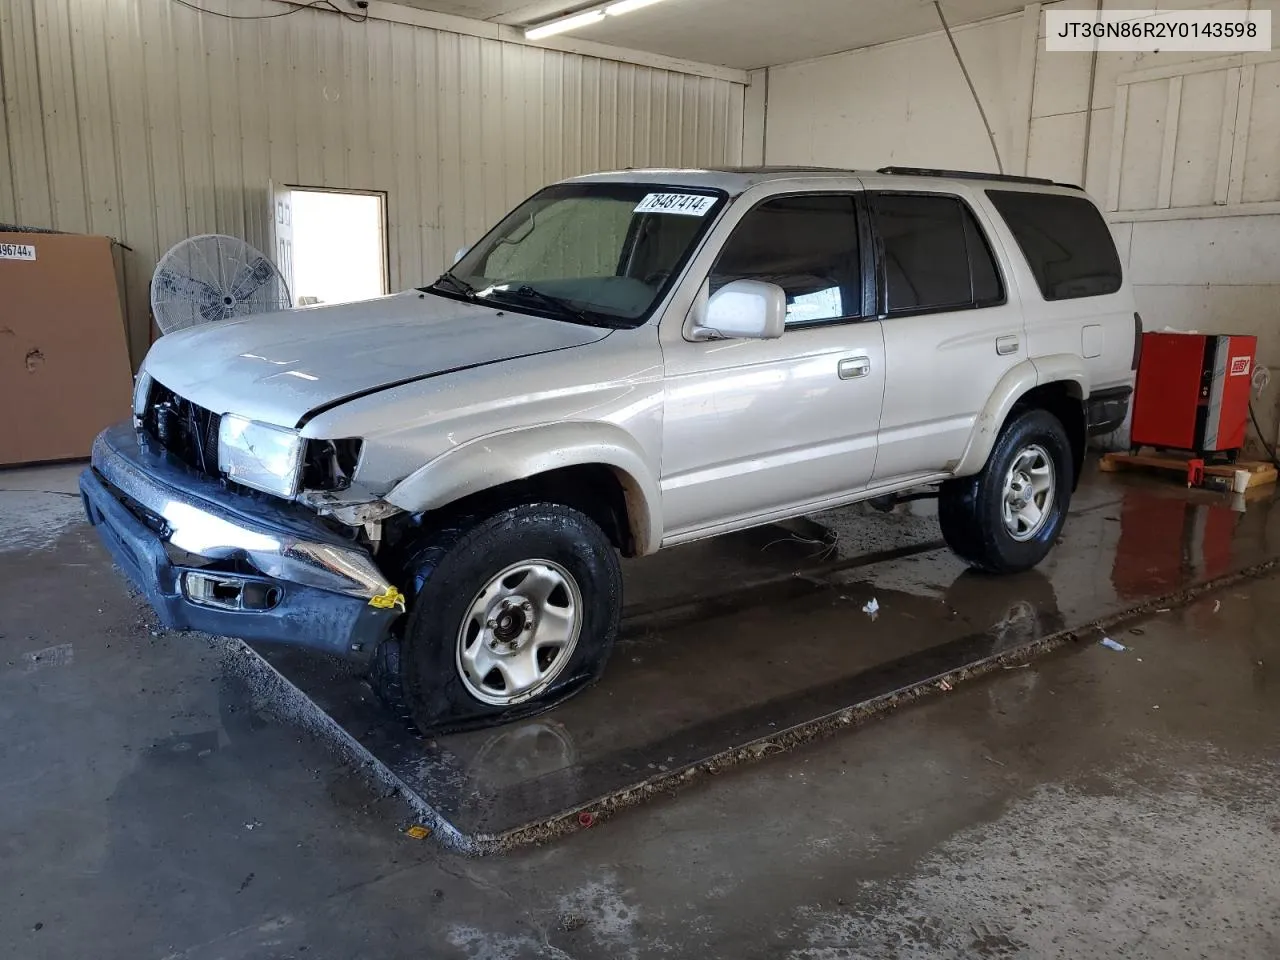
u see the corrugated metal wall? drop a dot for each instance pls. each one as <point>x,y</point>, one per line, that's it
<point>146,121</point>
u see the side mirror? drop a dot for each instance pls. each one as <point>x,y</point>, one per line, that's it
<point>745,310</point>
<point>462,252</point>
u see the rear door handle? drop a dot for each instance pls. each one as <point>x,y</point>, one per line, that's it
<point>850,368</point>
<point>1006,345</point>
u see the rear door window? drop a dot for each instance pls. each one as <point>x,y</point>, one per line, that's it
<point>1065,240</point>
<point>934,255</point>
<point>808,245</point>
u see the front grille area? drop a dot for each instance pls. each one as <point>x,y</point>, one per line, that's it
<point>188,431</point>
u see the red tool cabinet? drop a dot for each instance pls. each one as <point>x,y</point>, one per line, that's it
<point>1193,392</point>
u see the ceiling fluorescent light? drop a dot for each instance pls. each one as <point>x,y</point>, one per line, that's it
<point>626,6</point>
<point>563,24</point>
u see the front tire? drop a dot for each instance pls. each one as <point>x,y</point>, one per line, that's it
<point>1007,518</point>
<point>510,615</point>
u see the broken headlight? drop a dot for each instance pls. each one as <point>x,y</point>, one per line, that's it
<point>260,455</point>
<point>330,464</point>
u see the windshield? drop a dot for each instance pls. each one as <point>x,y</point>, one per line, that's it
<point>599,253</point>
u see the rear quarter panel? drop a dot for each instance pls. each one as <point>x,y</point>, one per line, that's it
<point>1099,330</point>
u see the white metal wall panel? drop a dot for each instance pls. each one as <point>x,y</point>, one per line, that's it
<point>7,200</point>
<point>55,73</point>
<point>1197,136</point>
<point>27,162</point>
<point>1140,163</point>
<point>146,121</point>
<point>1196,139</point>
<point>901,103</point>
<point>735,131</point>
<point>1262,147</point>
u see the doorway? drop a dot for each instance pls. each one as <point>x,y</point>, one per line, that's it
<point>339,245</point>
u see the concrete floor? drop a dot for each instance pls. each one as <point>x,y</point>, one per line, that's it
<point>1092,803</point>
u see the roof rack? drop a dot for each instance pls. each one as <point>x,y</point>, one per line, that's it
<point>971,175</point>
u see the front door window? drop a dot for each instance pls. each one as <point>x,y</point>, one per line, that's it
<point>808,245</point>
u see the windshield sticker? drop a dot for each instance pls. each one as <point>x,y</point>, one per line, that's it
<point>688,204</point>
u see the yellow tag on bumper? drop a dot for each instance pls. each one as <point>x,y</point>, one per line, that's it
<point>390,599</point>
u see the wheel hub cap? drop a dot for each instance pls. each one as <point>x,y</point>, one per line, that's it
<point>519,632</point>
<point>1029,490</point>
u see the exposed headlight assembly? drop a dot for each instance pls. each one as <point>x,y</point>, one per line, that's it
<point>260,455</point>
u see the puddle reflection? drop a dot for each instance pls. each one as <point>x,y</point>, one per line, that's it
<point>1169,540</point>
<point>522,751</point>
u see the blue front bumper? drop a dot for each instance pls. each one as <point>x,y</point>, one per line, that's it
<point>338,621</point>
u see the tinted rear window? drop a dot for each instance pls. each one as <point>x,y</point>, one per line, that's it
<point>1065,240</point>
<point>935,256</point>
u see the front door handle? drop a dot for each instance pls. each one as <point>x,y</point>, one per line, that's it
<point>850,368</point>
<point>1006,345</point>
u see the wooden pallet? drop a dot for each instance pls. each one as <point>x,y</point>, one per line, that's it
<point>1260,472</point>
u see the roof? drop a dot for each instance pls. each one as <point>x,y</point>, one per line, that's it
<point>735,180</point>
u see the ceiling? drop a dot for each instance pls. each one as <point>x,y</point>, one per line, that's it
<point>739,33</point>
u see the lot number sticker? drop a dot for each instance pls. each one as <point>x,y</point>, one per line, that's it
<point>17,251</point>
<point>689,204</point>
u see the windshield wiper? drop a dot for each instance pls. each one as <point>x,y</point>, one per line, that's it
<point>556,304</point>
<point>458,284</point>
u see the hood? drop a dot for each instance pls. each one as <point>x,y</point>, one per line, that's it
<point>278,367</point>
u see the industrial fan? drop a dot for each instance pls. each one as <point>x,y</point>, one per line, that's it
<point>214,277</point>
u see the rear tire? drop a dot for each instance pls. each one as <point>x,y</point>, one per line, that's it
<point>509,615</point>
<point>1007,518</point>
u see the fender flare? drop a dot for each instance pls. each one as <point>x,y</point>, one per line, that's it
<point>1012,387</point>
<point>511,455</point>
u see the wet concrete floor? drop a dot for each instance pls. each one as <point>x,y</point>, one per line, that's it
<point>152,804</point>
<point>736,647</point>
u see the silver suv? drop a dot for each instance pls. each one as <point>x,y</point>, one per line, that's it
<point>438,484</point>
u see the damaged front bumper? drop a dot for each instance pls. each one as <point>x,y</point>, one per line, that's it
<point>231,564</point>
